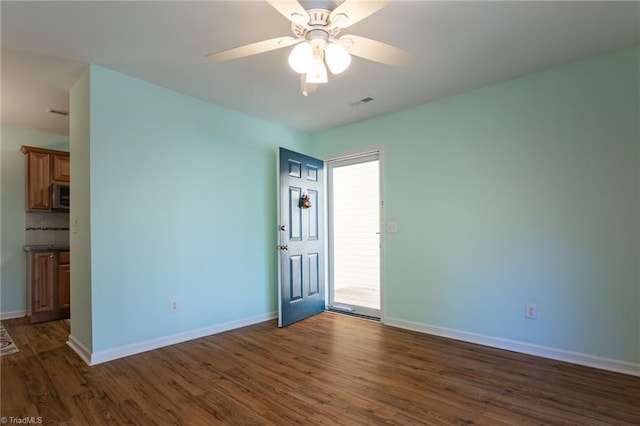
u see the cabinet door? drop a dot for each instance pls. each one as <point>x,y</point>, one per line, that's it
<point>64,285</point>
<point>38,181</point>
<point>43,281</point>
<point>50,286</point>
<point>61,168</point>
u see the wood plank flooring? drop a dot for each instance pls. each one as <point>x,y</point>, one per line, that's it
<point>329,369</point>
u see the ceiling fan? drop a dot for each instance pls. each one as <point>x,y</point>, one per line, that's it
<point>318,41</point>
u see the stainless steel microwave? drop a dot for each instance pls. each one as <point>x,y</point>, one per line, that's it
<point>60,199</point>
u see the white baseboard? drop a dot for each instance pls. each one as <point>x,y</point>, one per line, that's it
<point>79,348</point>
<point>94,358</point>
<point>522,347</point>
<point>12,314</point>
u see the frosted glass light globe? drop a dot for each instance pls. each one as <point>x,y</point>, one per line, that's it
<point>337,57</point>
<point>301,57</point>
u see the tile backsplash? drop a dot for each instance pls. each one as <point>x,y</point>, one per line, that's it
<point>46,228</point>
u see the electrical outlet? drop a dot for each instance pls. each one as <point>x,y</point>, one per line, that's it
<point>392,227</point>
<point>532,311</point>
<point>174,305</point>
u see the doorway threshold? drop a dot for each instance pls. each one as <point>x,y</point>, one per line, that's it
<point>352,314</point>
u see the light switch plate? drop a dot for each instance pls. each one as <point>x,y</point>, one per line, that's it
<point>392,226</point>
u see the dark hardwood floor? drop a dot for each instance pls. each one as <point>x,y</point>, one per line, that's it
<point>328,369</point>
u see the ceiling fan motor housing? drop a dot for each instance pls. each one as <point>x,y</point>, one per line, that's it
<point>318,22</point>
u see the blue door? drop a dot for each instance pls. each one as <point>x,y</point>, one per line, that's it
<point>301,237</point>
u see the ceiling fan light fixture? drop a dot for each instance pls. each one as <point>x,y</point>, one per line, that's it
<point>318,72</point>
<point>301,57</point>
<point>337,57</point>
<point>315,34</point>
<point>305,87</point>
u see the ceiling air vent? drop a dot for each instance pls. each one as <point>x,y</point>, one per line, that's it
<point>362,101</point>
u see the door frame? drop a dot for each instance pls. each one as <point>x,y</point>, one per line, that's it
<point>353,157</point>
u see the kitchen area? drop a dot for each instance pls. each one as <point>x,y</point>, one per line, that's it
<point>47,234</point>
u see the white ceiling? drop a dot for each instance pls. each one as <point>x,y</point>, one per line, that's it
<point>458,46</point>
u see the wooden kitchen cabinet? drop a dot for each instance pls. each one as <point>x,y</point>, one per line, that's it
<point>44,167</point>
<point>64,280</point>
<point>38,181</point>
<point>60,168</point>
<point>43,286</point>
<point>50,289</point>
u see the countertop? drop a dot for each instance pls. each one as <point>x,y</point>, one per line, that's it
<point>49,247</point>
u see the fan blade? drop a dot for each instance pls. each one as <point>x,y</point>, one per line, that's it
<point>292,10</point>
<point>352,11</point>
<point>375,51</point>
<point>253,48</point>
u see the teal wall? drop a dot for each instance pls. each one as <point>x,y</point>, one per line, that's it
<point>523,192</point>
<point>182,207</point>
<point>13,290</point>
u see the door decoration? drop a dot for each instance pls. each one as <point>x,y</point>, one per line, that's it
<point>305,202</point>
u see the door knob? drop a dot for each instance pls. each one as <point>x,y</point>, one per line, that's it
<point>282,227</point>
<point>283,247</point>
